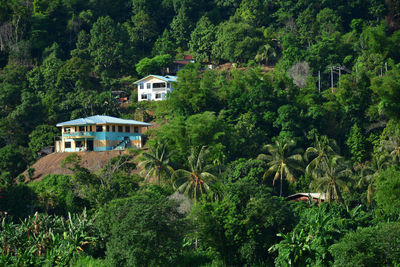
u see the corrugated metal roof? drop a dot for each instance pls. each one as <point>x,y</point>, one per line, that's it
<point>167,78</point>
<point>101,119</point>
<point>321,196</point>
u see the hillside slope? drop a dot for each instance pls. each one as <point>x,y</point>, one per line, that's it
<point>91,160</point>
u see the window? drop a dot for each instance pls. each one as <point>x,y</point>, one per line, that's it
<point>107,128</point>
<point>168,85</point>
<point>136,129</point>
<point>67,144</point>
<point>127,129</point>
<point>158,85</point>
<point>148,85</point>
<point>141,86</point>
<point>120,129</point>
<point>81,128</point>
<point>90,128</point>
<point>99,128</point>
<point>67,130</point>
<point>76,128</point>
<point>158,96</point>
<point>78,144</point>
<point>144,96</point>
<point>113,128</point>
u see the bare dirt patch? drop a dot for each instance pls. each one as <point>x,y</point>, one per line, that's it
<point>50,164</point>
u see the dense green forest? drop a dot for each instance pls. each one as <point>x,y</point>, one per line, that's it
<point>311,103</point>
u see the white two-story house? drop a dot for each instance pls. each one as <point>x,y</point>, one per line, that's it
<point>155,87</point>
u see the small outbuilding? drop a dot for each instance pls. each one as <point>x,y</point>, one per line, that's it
<point>305,197</point>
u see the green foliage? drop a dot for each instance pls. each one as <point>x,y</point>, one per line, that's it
<point>42,136</point>
<point>242,226</point>
<point>202,39</point>
<point>109,48</point>
<point>18,201</point>
<point>371,246</point>
<point>386,87</point>
<point>148,220</point>
<point>387,193</point>
<point>114,181</point>
<point>196,181</point>
<point>332,178</point>
<point>154,65</point>
<point>236,41</point>
<point>156,162</point>
<point>181,27</point>
<point>282,162</point>
<point>12,160</point>
<point>318,228</point>
<point>55,195</point>
<point>59,60</point>
<point>357,144</point>
<point>46,240</point>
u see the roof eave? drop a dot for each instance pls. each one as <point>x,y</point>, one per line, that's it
<point>148,77</point>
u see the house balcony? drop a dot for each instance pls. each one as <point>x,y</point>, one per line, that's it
<point>79,135</point>
<point>159,89</point>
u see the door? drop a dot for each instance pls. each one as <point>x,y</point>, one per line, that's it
<point>89,144</point>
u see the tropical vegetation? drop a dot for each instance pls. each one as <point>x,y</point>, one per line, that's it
<point>285,97</point>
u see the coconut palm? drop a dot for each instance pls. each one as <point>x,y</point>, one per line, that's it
<point>331,179</point>
<point>392,146</point>
<point>281,162</point>
<point>370,170</point>
<point>156,162</point>
<point>196,181</point>
<point>266,53</point>
<point>319,154</point>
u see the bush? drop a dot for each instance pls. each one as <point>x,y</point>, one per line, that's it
<point>45,240</point>
<point>371,246</point>
<point>56,195</point>
<point>143,230</point>
<point>387,194</point>
<point>244,225</point>
<point>19,201</point>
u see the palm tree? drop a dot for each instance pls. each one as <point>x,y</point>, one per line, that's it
<point>281,162</point>
<point>320,153</point>
<point>392,145</point>
<point>194,182</point>
<point>265,53</point>
<point>331,179</point>
<point>156,162</point>
<point>370,170</point>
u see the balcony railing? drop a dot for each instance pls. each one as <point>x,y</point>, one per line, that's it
<point>75,134</point>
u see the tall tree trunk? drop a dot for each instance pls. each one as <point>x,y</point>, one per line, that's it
<point>280,191</point>
<point>159,177</point>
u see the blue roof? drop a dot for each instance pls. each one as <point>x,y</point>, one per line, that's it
<point>101,119</point>
<point>166,78</point>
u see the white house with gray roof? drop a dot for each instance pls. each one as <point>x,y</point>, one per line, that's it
<point>155,87</point>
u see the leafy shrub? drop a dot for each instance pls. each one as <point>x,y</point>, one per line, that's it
<point>45,240</point>
<point>371,246</point>
<point>56,195</point>
<point>242,226</point>
<point>387,194</point>
<point>18,201</point>
<point>143,230</point>
<point>319,227</point>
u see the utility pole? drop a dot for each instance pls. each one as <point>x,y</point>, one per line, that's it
<point>319,81</point>
<point>332,78</point>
